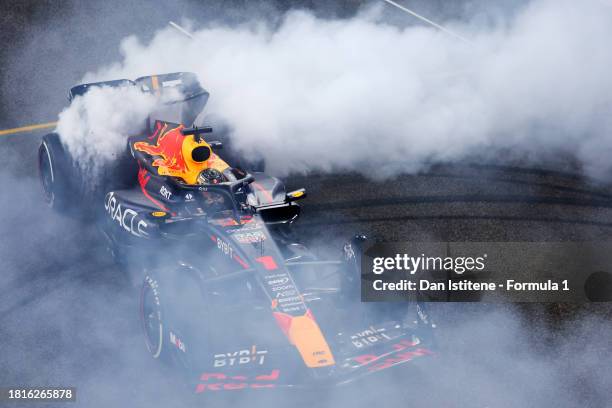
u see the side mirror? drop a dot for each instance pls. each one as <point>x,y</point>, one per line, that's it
<point>296,195</point>
<point>216,145</point>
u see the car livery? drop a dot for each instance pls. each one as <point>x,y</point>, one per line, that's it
<point>229,297</point>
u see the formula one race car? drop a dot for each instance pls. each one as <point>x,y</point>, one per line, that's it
<point>228,295</point>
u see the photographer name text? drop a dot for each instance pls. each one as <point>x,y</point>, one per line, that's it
<point>467,285</point>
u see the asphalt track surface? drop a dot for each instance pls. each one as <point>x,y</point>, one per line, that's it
<point>68,317</point>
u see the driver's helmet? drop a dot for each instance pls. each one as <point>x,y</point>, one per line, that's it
<point>211,176</point>
<point>213,200</point>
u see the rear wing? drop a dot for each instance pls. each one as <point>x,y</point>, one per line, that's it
<point>182,96</point>
<point>185,82</point>
<point>83,88</point>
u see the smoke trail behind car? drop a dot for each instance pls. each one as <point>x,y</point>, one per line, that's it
<point>361,94</point>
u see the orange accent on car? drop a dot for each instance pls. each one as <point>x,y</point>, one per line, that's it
<point>305,334</point>
<point>283,320</point>
<point>225,222</point>
<point>155,83</point>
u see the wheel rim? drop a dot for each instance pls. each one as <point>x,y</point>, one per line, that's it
<point>46,174</point>
<point>151,321</point>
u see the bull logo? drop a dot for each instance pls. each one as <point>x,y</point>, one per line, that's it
<point>178,155</point>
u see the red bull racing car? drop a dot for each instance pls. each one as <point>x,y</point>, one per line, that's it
<point>228,295</point>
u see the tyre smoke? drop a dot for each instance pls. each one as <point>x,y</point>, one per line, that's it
<point>362,94</point>
<point>95,125</point>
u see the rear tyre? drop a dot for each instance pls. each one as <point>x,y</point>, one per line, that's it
<point>54,169</point>
<point>68,189</point>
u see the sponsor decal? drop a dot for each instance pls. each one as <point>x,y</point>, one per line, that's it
<point>278,281</point>
<point>292,299</point>
<point>246,224</point>
<point>369,337</point>
<point>222,382</point>
<point>400,352</point>
<point>293,309</point>
<point>188,197</point>
<point>225,247</point>
<point>240,357</point>
<point>177,342</point>
<point>165,193</point>
<point>251,237</point>
<point>125,217</point>
<point>284,293</point>
<point>284,287</point>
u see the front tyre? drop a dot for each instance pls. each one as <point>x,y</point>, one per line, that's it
<point>174,319</point>
<point>152,318</point>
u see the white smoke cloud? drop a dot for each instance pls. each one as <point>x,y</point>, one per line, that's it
<point>95,125</point>
<point>360,93</point>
